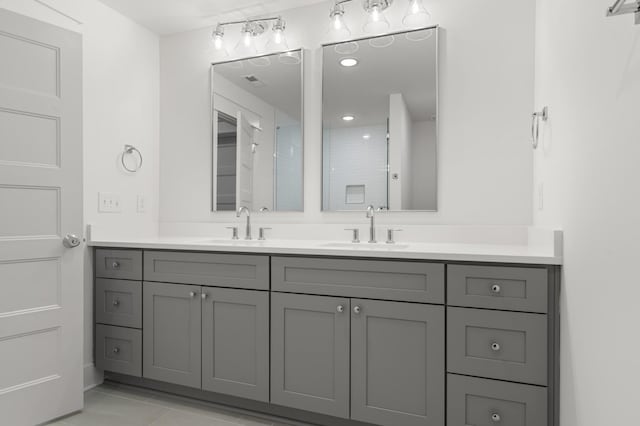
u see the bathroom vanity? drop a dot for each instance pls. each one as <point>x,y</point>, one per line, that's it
<point>331,337</point>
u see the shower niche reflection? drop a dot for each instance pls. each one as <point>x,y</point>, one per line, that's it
<point>380,128</point>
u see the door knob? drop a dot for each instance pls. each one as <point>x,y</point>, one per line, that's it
<point>71,241</point>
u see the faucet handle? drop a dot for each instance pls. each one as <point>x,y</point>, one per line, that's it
<point>356,234</point>
<point>261,233</point>
<point>390,232</point>
<point>235,232</point>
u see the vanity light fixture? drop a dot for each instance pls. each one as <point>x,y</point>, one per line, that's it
<point>348,62</point>
<point>338,27</point>
<point>251,29</point>
<point>348,117</point>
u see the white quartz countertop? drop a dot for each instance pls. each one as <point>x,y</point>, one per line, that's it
<point>524,254</point>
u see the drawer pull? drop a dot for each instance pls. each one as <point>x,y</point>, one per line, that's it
<point>203,295</point>
<point>115,265</point>
<point>495,417</point>
<point>357,309</point>
<point>495,346</point>
<point>340,309</point>
<point>116,350</point>
<point>192,294</point>
<point>495,289</point>
<point>116,302</point>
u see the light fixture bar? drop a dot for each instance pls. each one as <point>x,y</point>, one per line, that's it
<point>621,7</point>
<point>251,21</point>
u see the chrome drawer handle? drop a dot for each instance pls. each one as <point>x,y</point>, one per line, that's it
<point>357,309</point>
<point>340,308</point>
<point>116,302</point>
<point>495,417</point>
<point>115,265</point>
<point>203,295</point>
<point>116,350</point>
<point>495,346</point>
<point>495,289</point>
<point>192,294</point>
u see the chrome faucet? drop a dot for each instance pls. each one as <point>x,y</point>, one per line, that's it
<point>247,235</point>
<point>371,214</point>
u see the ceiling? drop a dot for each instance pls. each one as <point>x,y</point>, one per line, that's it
<point>173,16</point>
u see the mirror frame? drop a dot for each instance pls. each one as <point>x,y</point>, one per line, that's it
<point>436,28</point>
<point>212,125</point>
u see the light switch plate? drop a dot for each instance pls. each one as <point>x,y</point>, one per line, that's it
<point>109,202</point>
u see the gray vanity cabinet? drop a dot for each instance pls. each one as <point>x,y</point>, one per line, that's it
<point>397,363</point>
<point>171,322</point>
<point>310,353</point>
<point>235,342</point>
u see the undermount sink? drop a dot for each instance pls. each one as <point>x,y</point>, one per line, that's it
<point>366,246</point>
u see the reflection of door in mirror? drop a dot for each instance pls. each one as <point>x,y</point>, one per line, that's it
<point>225,146</point>
<point>244,167</point>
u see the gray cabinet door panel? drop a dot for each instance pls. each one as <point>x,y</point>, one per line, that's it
<point>172,339</point>
<point>220,270</point>
<point>498,287</point>
<point>122,264</point>
<point>119,302</point>
<point>235,342</point>
<point>310,353</point>
<point>480,402</point>
<point>119,349</point>
<point>397,363</point>
<point>404,281</point>
<point>498,345</point>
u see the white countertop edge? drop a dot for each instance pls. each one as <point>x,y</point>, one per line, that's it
<point>442,252</point>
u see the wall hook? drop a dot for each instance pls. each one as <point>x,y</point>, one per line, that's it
<point>535,125</point>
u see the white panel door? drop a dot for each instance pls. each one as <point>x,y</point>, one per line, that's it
<point>40,202</point>
<point>244,169</point>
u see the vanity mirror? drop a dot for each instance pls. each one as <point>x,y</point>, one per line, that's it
<point>257,133</point>
<point>380,131</point>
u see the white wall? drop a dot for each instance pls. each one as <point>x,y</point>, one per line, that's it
<point>486,97</point>
<point>120,106</point>
<point>423,170</point>
<point>588,73</point>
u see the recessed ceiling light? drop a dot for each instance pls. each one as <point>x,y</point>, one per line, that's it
<point>366,136</point>
<point>348,62</point>
<point>348,117</point>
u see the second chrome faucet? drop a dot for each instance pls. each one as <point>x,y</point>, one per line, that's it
<point>241,209</point>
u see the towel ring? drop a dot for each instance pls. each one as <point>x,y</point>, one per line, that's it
<point>130,149</point>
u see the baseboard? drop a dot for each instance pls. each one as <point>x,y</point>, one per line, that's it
<point>92,376</point>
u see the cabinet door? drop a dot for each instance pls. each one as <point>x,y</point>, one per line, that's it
<point>171,337</point>
<point>397,363</point>
<point>310,353</point>
<point>235,342</point>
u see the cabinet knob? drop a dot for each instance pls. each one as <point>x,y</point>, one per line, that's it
<point>192,294</point>
<point>340,308</point>
<point>116,350</point>
<point>495,417</point>
<point>116,302</point>
<point>357,309</point>
<point>495,346</point>
<point>495,289</point>
<point>115,265</point>
<point>203,295</point>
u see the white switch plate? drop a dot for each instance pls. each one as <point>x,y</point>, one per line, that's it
<point>141,204</point>
<point>109,202</point>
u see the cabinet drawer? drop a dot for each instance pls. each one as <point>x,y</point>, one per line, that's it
<point>221,270</point>
<point>508,288</point>
<point>402,281</point>
<point>123,264</point>
<point>499,345</point>
<point>481,402</point>
<point>119,302</point>
<point>119,349</point>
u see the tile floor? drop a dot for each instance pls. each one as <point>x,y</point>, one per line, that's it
<point>119,405</point>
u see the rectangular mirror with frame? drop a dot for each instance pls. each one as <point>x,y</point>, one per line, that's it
<point>380,122</point>
<point>258,133</point>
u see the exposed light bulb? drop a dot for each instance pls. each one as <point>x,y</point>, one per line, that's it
<point>415,6</point>
<point>278,41</point>
<point>337,22</point>
<point>376,20</point>
<point>217,42</point>
<point>338,28</point>
<point>417,15</point>
<point>375,14</point>
<point>218,37</point>
<point>277,37</point>
<point>247,39</point>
